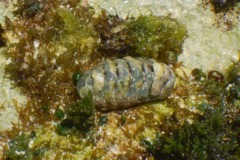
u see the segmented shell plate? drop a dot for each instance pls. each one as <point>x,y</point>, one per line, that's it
<point>122,83</point>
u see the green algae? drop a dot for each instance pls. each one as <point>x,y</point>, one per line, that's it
<point>75,77</point>
<point>59,114</point>
<point>80,115</point>
<point>103,120</point>
<point>208,137</point>
<point>78,122</point>
<point>28,8</point>
<point>49,145</point>
<point>18,148</point>
<point>212,132</point>
<point>150,36</point>
<point>157,37</point>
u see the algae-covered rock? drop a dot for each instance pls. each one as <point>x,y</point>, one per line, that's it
<point>157,37</point>
<point>160,37</point>
<point>72,40</point>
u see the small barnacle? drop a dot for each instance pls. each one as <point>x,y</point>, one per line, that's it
<point>198,74</point>
<point>122,83</point>
<point>215,75</point>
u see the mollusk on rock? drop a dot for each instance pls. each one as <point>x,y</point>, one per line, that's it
<point>122,83</point>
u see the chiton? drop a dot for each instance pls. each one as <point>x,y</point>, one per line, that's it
<point>124,82</point>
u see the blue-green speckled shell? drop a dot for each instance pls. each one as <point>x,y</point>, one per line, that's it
<point>122,83</point>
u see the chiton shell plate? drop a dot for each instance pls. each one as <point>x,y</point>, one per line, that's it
<point>124,82</point>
